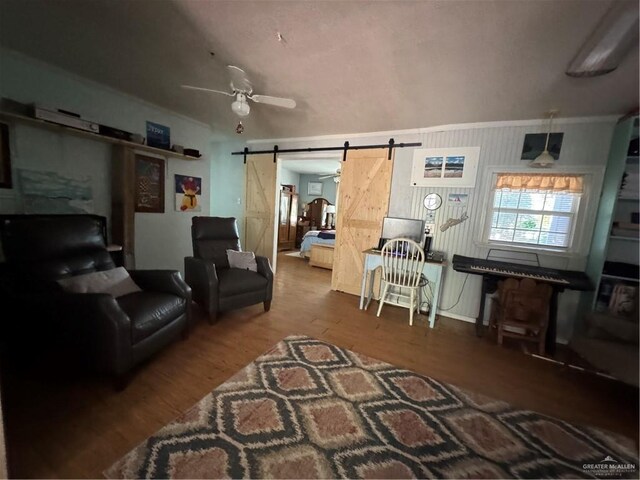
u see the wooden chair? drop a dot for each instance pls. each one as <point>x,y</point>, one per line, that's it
<point>402,264</point>
<point>521,311</point>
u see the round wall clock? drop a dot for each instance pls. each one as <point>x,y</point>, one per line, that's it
<point>432,201</point>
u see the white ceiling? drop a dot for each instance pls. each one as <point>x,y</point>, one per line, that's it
<point>312,166</point>
<point>352,66</point>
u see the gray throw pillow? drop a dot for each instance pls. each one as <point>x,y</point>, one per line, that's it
<point>242,260</point>
<point>116,282</point>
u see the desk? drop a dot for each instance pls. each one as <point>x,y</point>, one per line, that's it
<point>432,270</point>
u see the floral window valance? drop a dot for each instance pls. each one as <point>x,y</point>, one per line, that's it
<point>541,182</point>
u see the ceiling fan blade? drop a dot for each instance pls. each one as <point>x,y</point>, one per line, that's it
<point>277,101</point>
<point>190,87</point>
<point>325,176</point>
<point>239,80</point>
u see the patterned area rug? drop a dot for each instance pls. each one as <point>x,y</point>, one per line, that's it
<point>308,409</point>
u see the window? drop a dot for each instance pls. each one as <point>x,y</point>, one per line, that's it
<point>534,210</point>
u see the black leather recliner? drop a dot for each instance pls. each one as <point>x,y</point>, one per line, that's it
<point>216,287</point>
<point>108,334</point>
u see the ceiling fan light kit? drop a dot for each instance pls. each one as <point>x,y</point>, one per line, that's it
<point>240,106</point>
<point>242,90</point>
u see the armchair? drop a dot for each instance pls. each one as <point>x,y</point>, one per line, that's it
<point>109,334</point>
<point>216,287</point>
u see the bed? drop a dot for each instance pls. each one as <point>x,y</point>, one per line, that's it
<point>316,237</point>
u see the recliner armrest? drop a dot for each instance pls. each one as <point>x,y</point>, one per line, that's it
<point>165,281</point>
<point>98,326</point>
<point>264,267</point>
<point>202,277</point>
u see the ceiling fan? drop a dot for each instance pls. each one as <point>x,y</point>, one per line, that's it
<point>242,90</point>
<point>333,175</point>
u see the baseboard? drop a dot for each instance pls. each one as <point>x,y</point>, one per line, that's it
<point>455,316</point>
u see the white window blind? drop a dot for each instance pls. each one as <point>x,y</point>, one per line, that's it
<point>534,210</point>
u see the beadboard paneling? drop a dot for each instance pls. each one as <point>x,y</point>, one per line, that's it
<point>586,142</point>
<point>583,144</point>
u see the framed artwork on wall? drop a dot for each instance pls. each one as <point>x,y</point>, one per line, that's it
<point>458,199</point>
<point>149,184</point>
<point>5,157</point>
<point>314,188</point>
<point>188,190</point>
<point>445,167</point>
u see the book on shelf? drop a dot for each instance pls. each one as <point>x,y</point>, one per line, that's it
<point>624,300</point>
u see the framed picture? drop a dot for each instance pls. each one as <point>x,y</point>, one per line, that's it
<point>445,167</point>
<point>457,199</point>
<point>534,145</point>
<point>314,188</point>
<point>158,136</point>
<point>188,190</point>
<point>149,184</point>
<point>5,157</point>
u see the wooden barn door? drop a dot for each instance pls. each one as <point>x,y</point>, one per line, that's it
<point>365,185</point>
<point>260,205</point>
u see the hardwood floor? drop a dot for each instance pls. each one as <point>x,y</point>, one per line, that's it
<point>74,425</point>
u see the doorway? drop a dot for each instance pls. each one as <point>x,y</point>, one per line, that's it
<point>307,186</point>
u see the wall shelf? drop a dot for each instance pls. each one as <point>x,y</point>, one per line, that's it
<point>54,127</point>
<point>618,277</point>
<point>619,237</point>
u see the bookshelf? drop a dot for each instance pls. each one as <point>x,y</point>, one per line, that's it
<point>613,260</point>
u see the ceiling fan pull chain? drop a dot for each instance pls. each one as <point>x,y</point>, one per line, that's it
<point>344,154</point>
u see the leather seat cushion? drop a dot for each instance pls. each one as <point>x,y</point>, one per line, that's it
<point>150,311</point>
<point>234,281</point>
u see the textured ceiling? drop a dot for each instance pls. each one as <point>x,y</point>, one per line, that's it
<point>351,66</point>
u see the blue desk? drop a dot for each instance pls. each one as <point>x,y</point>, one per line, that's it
<point>434,272</point>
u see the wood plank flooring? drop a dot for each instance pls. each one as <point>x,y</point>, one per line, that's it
<point>75,425</point>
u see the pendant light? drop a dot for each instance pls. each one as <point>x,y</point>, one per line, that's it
<point>545,159</point>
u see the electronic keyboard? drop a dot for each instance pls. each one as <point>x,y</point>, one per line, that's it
<point>570,279</point>
<point>493,270</point>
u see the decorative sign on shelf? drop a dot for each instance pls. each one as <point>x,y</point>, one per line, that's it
<point>445,167</point>
<point>188,191</point>
<point>158,136</point>
<point>149,184</point>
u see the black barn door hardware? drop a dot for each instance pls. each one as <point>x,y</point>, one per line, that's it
<point>345,148</point>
